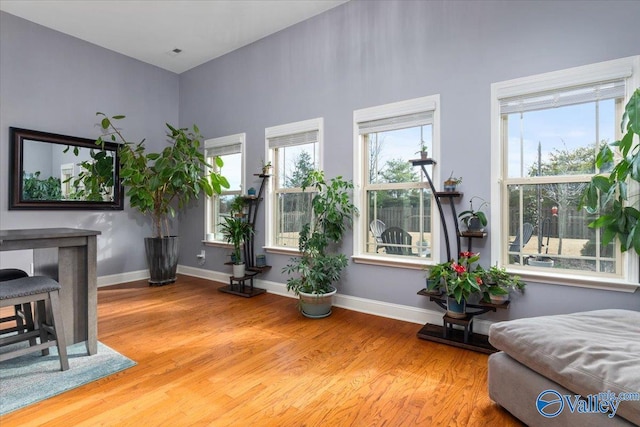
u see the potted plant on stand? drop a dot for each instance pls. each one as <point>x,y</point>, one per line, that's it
<point>159,184</point>
<point>474,219</point>
<point>235,230</point>
<point>319,264</point>
<point>497,283</point>
<point>461,280</point>
<point>451,183</point>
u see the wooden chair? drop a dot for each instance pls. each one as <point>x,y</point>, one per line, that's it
<point>396,241</point>
<point>41,290</point>
<point>23,316</point>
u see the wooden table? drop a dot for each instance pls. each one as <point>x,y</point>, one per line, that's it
<point>68,255</point>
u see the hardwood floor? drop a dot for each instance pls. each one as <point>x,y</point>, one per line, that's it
<point>209,358</point>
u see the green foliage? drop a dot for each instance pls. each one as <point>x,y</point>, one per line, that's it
<point>317,268</point>
<point>235,230</point>
<point>460,279</point>
<point>303,165</point>
<point>34,188</point>
<point>156,182</point>
<point>95,180</point>
<point>497,281</point>
<point>471,213</point>
<point>608,196</point>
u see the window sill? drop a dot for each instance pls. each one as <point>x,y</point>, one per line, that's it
<point>415,263</point>
<point>602,283</point>
<point>281,250</point>
<point>217,244</point>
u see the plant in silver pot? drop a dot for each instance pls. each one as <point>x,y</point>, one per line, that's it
<point>159,184</point>
<point>319,264</point>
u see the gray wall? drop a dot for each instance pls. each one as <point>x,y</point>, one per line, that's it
<point>358,55</point>
<point>55,83</point>
<point>367,53</point>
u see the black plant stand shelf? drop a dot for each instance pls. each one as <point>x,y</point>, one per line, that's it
<point>465,337</point>
<point>236,285</point>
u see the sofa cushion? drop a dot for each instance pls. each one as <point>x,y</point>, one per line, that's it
<point>588,352</point>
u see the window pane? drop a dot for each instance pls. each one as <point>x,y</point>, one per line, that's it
<point>294,163</point>
<point>560,236</point>
<point>232,170</point>
<point>389,153</point>
<point>294,210</point>
<point>409,210</point>
<point>559,141</point>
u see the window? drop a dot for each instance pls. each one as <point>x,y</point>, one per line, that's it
<point>394,198</point>
<point>293,150</point>
<point>549,129</point>
<point>231,150</point>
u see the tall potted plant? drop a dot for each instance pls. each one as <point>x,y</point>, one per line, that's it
<point>159,184</point>
<point>235,230</point>
<point>608,196</point>
<point>319,264</point>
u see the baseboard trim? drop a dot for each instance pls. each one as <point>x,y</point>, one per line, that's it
<point>116,279</point>
<point>363,305</point>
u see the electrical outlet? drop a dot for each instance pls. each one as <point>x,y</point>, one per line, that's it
<point>201,257</point>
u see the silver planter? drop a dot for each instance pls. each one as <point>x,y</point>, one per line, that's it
<point>162,259</point>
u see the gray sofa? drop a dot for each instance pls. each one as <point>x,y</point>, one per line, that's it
<point>545,362</point>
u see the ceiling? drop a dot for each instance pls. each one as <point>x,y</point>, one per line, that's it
<point>151,30</point>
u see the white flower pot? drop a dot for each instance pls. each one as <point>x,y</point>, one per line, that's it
<point>238,270</point>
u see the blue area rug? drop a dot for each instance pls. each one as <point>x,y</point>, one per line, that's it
<point>31,378</point>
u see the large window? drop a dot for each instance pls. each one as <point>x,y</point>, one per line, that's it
<point>294,150</point>
<point>231,150</point>
<point>395,201</point>
<point>550,129</point>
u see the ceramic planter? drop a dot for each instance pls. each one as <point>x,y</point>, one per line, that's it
<point>162,259</point>
<point>238,270</point>
<point>316,306</point>
<point>455,309</point>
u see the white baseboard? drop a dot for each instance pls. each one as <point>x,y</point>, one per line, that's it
<point>116,279</point>
<point>363,305</point>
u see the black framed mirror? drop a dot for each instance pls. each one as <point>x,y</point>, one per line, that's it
<point>51,171</point>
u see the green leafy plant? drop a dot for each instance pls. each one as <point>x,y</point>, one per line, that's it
<point>318,266</point>
<point>156,182</point>
<point>235,230</point>
<point>460,279</point>
<point>95,180</point>
<point>470,214</point>
<point>608,196</point>
<point>34,188</point>
<point>497,281</point>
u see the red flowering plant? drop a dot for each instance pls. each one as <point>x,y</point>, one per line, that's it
<point>461,278</point>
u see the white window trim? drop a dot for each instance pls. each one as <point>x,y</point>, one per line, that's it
<point>316,124</point>
<point>360,226</point>
<point>628,68</point>
<point>238,138</point>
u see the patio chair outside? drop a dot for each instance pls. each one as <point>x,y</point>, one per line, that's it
<point>527,232</point>
<point>396,241</point>
<point>377,227</point>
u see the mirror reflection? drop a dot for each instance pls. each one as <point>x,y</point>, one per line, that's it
<point>53,171</point>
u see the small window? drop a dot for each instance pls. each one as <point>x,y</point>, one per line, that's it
<point>294,150</point>
<point>231,150</point>
<point>395,200</point>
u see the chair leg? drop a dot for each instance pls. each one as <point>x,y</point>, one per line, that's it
<point>28,321</point>
<point>56,321</point>
<point>41,315</point>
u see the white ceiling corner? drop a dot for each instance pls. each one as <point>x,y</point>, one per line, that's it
<point>149,30</point>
